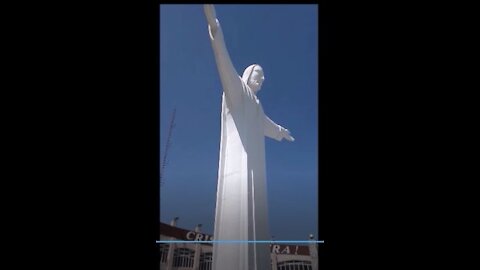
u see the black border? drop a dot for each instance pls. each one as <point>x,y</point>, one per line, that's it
<point>91,120</point>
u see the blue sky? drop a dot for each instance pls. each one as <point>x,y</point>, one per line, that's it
<point>283,39</point>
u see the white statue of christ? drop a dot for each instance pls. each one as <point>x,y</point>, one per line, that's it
<point>241,210</point>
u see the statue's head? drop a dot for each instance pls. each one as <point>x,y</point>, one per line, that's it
<point>253,77</point>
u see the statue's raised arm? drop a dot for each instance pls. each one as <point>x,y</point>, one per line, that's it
<point>228,75</point>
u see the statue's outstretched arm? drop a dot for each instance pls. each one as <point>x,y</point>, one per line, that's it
<point>275,131</point>
<point>228,75</point>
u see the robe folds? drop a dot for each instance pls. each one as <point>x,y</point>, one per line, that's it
<point>241,208</point>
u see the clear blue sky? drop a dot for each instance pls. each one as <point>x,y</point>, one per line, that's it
<point>283,39</point>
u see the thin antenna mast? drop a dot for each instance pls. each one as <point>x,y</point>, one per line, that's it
<point>167,146</point>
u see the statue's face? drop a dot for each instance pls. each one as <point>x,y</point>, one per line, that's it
<point>256,79</point>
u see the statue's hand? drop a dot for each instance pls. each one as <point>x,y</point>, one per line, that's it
<point>211,16</point>
<point>286,135</point>
<point>210,13</point>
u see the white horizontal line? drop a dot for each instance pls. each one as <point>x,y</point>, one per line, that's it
<point>242,241</point>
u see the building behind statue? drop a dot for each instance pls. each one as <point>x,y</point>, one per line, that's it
<point>183,256</point>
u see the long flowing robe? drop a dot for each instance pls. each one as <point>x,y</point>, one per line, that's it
<point>241,210</point>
